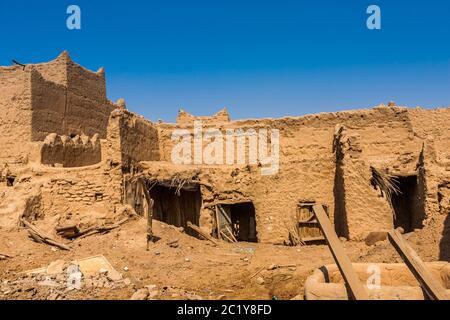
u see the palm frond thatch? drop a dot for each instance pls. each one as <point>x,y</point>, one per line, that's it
<point>386,182</point>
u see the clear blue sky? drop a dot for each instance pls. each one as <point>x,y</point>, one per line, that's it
<point>258,58</point>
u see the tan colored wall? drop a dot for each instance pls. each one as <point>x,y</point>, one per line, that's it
<point>187,118</point>
<point>49,107</point>
<point>71,101</point>
<point>79,195</point>
<point>132,139</point>
<point>308,169</point>
<point>71,152</point>
<point>15,114</point>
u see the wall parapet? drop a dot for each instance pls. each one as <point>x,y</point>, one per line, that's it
<point>79,151</point>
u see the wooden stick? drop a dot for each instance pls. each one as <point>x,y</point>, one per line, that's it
<point>219,236</point>
<point>66,228</point>
<point>201,232</point>
<point>39,236</point>
<point>231,234</point>
<point>343,262</point>
<point>257,272</point>
<point>224,213</point>
<point>101,229</point>
<point>431,286</point>
<point>226,237</point>
<point>149,223</point>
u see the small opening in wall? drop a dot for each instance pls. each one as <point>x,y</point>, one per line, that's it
<point>98,196</point>
<point>407,204</point>
<point>10,181</point>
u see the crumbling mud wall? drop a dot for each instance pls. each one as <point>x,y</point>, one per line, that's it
<point>71,152</point>
<point>131,139</point>
<point>79,194</point>
<point>326,158</point>
<point>15,114</point>
<point>187,118</point>
<point>65,98</point>
<point>88,109</point>
<point>382,137</point>
<point>48,107</point>
<point>56,97</point>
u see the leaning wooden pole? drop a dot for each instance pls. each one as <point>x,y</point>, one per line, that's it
<point>342,260</point>
<point>150,223</point>
<point>431,286</point>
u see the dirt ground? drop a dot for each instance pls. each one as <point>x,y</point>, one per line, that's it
<point>189,269</point>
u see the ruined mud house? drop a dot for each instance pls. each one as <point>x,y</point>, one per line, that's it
<point>69,154</point>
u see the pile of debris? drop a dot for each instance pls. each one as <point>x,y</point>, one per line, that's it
<point>60,278</point>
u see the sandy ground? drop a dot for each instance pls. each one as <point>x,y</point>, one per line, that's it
<point>192,269</point>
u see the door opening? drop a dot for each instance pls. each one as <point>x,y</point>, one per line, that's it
<point>407,204</point>
<point>239,219</point>
<point>177,208</point>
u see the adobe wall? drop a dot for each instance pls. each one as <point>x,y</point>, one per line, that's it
<point>184,117</point>
<point>79,195</point>
<point>88,109</point>
<point>15,114</point>
<point>48,107</point>
<point>131,139</point>
<point>70,98</point>
<point>71,152</point>
<point>308,169</point>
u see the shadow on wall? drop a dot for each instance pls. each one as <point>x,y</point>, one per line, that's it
<point>340,213</point>
<point>444,246</point>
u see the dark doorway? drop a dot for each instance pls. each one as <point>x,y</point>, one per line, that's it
<point>407,204</point>
<point>177,208</point>
<point>243,220</point>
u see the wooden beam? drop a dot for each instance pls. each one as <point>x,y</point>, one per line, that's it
<point>431,286</point>
<point>219,236</point>
<point>343,262</point>
<point>201,232</point>
<point>40,237</point>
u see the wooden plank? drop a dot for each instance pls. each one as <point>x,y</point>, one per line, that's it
<point>219,235</point>
<point>225,215</point>
<point>431,286</point>
<point>201,232</point>
<point>151,203</point>
<point>343,262</point>
<point>313,239</point>
<point>40,237</point>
